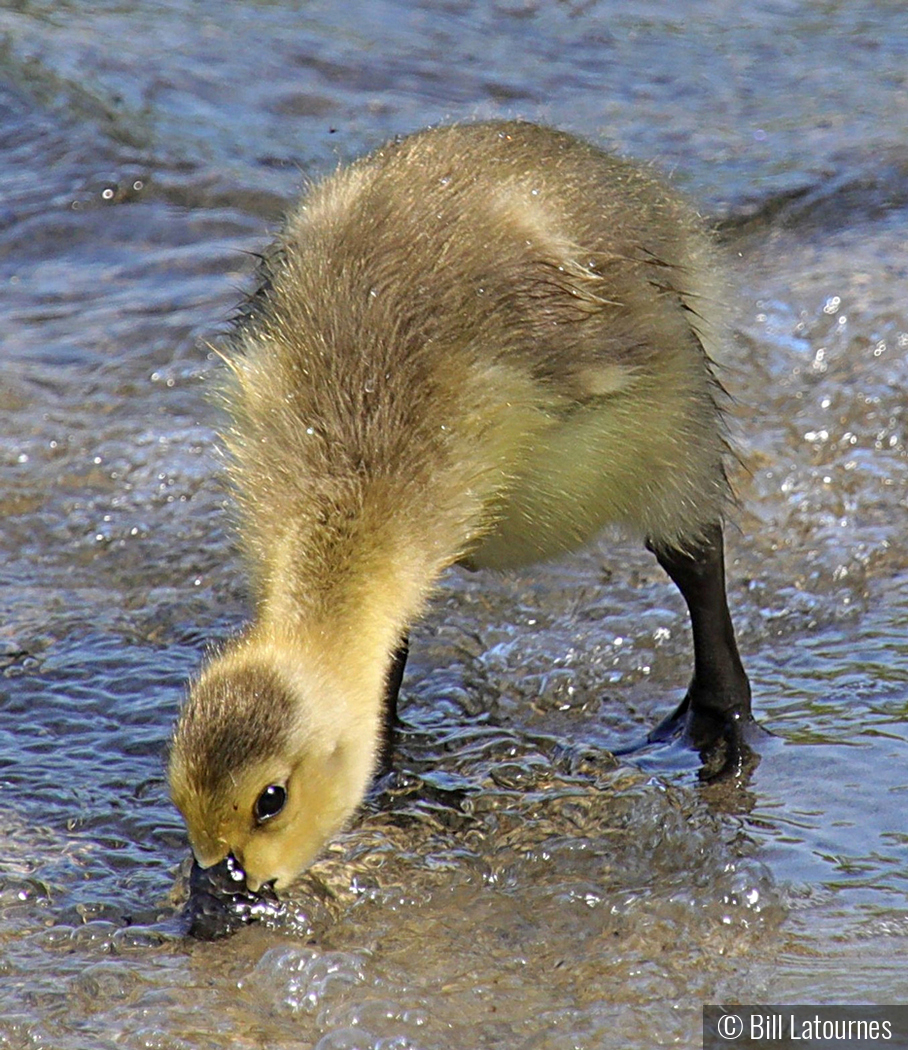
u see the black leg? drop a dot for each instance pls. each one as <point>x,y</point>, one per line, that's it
<point>716,709</point>
<point>389,718</point>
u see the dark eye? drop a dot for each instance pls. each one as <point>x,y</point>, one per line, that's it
<point>269,803</point>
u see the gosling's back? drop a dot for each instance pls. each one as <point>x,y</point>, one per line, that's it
<point>477,343</point>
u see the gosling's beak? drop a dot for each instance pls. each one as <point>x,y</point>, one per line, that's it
<point>221,903</point>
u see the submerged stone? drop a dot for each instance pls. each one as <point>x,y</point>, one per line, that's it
<point>220,904</point>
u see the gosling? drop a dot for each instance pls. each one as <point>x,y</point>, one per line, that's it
<point>477,345</point>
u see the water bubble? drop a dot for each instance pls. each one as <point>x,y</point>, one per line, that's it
<point>397,1042</point>
<point>346,1039</point>
<point>301,980</point>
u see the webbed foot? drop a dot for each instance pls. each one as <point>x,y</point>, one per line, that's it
<point>714,719</point>
<point>727,742</point>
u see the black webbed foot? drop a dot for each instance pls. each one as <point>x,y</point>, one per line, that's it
<point>727,744</point>
<point>714,719</point>
<point>389,710</point>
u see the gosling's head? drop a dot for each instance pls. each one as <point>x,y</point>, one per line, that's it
<point>256,776</point>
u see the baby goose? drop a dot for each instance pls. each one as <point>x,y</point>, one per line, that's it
<point>478,344</point>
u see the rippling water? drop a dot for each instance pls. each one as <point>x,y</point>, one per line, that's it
<point>516,887</point>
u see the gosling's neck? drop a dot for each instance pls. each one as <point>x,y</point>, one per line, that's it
<point>340,622</point>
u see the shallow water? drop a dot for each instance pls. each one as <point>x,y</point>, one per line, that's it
<point>516,888</point>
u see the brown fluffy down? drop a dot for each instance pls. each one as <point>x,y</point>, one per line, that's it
<point>479,343</point>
